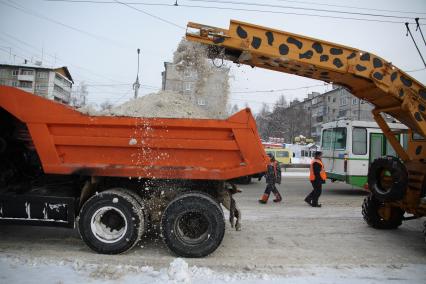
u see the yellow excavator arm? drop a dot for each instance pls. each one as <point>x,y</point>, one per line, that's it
<point>365,75</point>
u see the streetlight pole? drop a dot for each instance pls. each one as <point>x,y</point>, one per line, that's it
<point>136,85</point>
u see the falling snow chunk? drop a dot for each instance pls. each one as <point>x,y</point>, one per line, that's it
<point>115,200</point>
<point>133,141</point>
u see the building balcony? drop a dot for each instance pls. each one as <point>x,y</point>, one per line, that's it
<point>65,97</point>
<point>26,77</point>
<point>26,89</point>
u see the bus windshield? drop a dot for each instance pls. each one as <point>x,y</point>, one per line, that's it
<point>334,138</point>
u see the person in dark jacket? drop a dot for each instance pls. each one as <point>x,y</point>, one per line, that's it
<point>317,176</point>
<point>273,176</point>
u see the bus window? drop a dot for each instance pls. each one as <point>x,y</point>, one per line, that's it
<point>359,141</point>
<point>405,141</point>
<point>389,149</point>
<point>339,138</point>
<point>327,136</point>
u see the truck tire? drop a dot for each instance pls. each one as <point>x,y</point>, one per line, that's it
<point>370,212</point>
<point>193,225</point>
<point>394,188</point>
<point>245,180</point>
<point>140,201</point>
<point>111,222</point>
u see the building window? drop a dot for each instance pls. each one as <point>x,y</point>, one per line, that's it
<point>25,84</point>
<point>201,102</point>
<point>27,72</point>
<point>354,101</point>
<point>343,101</point>
<point>42,75</point>
<point>187,86</point>
<point>15,73</point>
<point>187,73</point>
<point>342,113</point>
<point>14,84</point>
<point>334,100</point>
<point>328,98</point>
<point>39,87</point>
<point>359,141</point>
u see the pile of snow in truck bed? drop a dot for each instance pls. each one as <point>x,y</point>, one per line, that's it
<point>162,104</point>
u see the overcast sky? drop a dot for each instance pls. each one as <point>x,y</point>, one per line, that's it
<point>98,42</point>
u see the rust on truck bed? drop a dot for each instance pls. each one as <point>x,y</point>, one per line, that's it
<point>69,142</point>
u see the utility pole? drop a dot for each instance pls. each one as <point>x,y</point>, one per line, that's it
<point>136,85</point>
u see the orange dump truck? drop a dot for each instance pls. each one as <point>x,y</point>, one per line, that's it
<point>116,178</point>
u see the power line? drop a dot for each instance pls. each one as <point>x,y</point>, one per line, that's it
<point>277,90</point>
<point>151,15</point>
<point>60,59</point>
<point>415,44</point>
<point>353,7</point>
<point>299,8</point>
<point>18,7</point>
<point>415,70</point>
<point>232,9</point>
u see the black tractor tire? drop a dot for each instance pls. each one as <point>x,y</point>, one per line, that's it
<point>398,174</point>
<point>193,225</point>
<point>370,212</point>
<point>111,222</point>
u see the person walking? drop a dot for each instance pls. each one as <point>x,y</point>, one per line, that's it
<point>317,176</point>
<point>272,176</point>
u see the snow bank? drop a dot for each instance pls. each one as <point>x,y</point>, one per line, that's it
<point>17,271</point>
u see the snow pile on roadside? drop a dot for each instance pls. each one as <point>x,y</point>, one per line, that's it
<point>18,270</point>
<point>179,271</point>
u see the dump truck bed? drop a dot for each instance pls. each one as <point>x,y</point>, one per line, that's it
<point>69,142</point>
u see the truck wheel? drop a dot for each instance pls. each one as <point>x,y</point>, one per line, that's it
<point>193,225</point>
<point>370,212</point>
<point>140,201</point>
<point>245,180</point>
<point>388,179</point>
<point>111,222</point>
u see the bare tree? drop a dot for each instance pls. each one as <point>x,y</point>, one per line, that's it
<point>106,105</point>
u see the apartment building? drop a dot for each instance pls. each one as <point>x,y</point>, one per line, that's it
<point>333,105</point>
<point>51,83</point>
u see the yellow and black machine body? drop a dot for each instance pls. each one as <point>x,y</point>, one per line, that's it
<point>397,184</point>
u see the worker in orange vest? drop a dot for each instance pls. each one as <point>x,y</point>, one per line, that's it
<point>317,176</point>
<point>273,176</point>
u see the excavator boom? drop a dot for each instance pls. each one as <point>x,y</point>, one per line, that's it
<point>364,74</point>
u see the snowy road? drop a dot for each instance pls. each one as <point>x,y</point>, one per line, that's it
<point>279,243</point>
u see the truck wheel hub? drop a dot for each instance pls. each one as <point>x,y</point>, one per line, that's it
<point>108,224</point>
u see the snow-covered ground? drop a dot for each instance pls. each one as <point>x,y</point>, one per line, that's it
<point>41,271</point>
